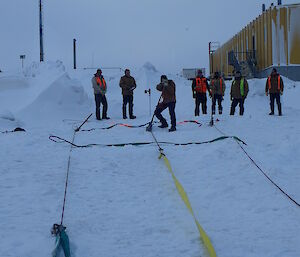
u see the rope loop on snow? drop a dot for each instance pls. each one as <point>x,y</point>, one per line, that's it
<point>59,140</point>
<point>136,126</point>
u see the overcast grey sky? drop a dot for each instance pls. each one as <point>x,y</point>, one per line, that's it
<point>171,34</point>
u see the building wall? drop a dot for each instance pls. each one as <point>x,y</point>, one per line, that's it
<point>274,36</point>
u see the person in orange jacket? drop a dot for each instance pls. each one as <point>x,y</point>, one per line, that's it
<point>199,88</point>
<point>217,88</point>
<point>100,88</point>
<point>274,87</point>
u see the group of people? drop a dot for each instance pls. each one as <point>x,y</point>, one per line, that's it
<point>238,93</point>
<point>200,86</point>
<point>128,85</point>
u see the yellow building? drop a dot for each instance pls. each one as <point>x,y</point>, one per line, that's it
<point>271,40</point>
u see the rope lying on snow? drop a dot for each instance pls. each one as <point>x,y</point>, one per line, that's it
<point>261,170</point>
<point>57,139</point>
<point>184,197</point>
<point>62,239</point>
<point>136,126</point>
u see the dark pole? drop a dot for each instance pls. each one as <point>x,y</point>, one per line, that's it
<point>74,52</point>
<point>41,34</point>
<point>209,57</point>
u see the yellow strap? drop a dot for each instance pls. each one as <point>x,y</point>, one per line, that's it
<point>185,198</point>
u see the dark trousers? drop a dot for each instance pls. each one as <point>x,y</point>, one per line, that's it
<point>161,107</point>
<point>128,99</point>
<point>216,98</point>
<point>272,100</point>
<point>234,103</point>
<point>101,99</point>
<point>200,98</point>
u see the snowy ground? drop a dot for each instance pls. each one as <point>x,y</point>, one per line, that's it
<point>122,201</point>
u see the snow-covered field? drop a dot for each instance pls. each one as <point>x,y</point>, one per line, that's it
<point>122,201</point>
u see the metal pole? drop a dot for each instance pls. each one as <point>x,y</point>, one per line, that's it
<point>150,112</point>
<point>209,57</point>
<point>41,34</point>
<point>74,52</point>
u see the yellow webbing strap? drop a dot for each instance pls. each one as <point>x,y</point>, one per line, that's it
<point>185,198</point>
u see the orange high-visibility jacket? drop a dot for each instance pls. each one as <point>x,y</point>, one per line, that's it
<point>200,85</point>
<point>101,82</point>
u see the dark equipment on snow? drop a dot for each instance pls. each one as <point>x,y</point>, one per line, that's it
<point>149,127</point>
<point>62,240</point>
<point>17,129</point>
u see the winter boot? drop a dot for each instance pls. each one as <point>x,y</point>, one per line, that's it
<point>98,114</point>
<point>242,111</point>
<point>279,110</point>
<point>164,124</point>
<point>213,111</point>
<point>272,109</point>
<point>124,112</point>
<point>131,116</point>
<point>220,109</point>
<point>232,110</point>
<point>172,129</point>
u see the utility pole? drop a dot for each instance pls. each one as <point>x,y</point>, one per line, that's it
<point>74,52</point>
<point>41,34</point>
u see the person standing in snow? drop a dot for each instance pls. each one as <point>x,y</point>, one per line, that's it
<point>199,88</point>
<point>238,93</point>
<point>127,83</point>
<point>274,87</point>
<point>100,88</point>
<point>217,88</point>
<point>167,87</point>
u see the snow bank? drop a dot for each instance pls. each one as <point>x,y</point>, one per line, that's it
<point>18,91</point>
<point>45,69</point>
<point>63,98</point>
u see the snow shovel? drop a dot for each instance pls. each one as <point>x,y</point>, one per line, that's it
<point>149,127</point>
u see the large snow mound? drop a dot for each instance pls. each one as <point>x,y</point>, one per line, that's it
<point>19,90</point>
<point>62,98</point>
<point>49,68</point>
